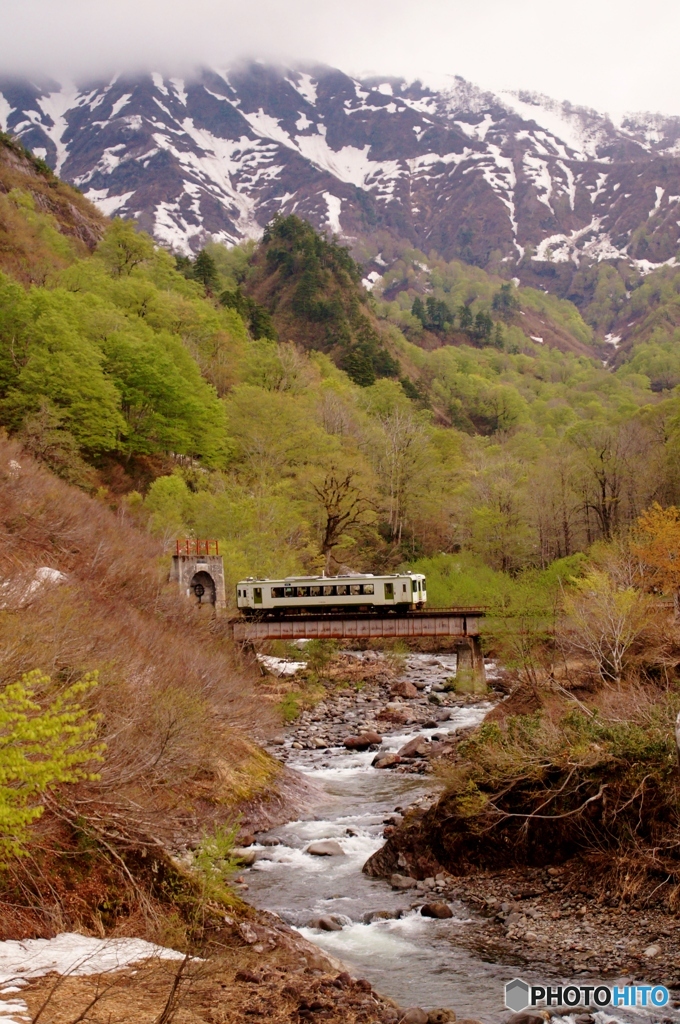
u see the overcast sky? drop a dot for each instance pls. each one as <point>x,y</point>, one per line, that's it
<point>614,55</point>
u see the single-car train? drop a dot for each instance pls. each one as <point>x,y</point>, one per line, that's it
<point>398,593</point>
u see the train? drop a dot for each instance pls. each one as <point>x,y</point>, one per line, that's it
<point>398,593</point>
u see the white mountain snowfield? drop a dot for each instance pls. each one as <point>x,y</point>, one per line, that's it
<point>221,154</point>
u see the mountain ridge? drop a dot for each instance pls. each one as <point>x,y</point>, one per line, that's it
<point>513,182</point>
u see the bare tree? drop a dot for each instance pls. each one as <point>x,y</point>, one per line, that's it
<point>344,505</point>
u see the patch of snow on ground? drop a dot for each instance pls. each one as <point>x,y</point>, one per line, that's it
<point>54,106</point>
<point>564,125</point>
<point>180,91</point>
<point>539,174</point>
<point>159,83</point>
<point>385,89</point>
<point>571,184</point>
<point>613,339</point>
<point>67,954</point>
<point>536,338</point>
<point>599,186</point>
<point>334,204</point>
<point>646,266</point>
<point>119,104</point>
<point>659,196</point>
<point>349,164</point>
<point>303,122</point>
<point>307,88</point>
<point>371,280</point>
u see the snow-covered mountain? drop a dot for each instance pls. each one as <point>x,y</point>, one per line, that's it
<point>488,178</point>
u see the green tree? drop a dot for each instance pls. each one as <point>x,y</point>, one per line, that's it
<point>40,748</point>
<point>505,302</point>
<point>123,248</point>
<point>205,271</point>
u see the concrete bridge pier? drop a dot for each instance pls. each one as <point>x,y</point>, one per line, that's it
<point>470,672</point>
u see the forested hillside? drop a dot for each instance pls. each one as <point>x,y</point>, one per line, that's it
<point>240,395</point>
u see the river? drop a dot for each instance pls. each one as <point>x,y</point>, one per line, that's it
<point>415,960</point>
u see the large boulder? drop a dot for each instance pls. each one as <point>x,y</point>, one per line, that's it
<point>402,881</point>
<point>403,688</point>
<point>363,741</point>
<point>328,923</point>
<point>325,848</point>
<point>417,747</point>
<point>438,910</point>
<point>386,760</point>
<point>414,1016</point>
<point>244,856</point>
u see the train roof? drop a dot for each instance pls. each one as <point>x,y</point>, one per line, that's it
<point>330,579</point>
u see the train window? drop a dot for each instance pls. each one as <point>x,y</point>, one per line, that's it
<point>315,591</point>
<point>355,589</point>
<point>422,585</point>
<point>277,591</point>
<point>367,588</point>
<point>303,591</point>
<point>403,588</point>
<point>289,591</point>
<point>328,591</point>
<point>342,588</point>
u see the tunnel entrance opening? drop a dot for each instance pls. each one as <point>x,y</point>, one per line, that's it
<point>203,588</point>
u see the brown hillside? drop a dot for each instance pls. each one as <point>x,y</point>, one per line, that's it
<point>175,696</point>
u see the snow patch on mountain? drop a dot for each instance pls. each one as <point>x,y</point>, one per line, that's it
<point>334,204</point>
<point>5,111</point>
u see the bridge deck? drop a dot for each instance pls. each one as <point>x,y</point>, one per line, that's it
<point>461,622</point>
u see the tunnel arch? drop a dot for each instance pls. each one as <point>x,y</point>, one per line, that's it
<point>202,588</point>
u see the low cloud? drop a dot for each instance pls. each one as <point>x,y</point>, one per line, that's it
<point>609,54</point>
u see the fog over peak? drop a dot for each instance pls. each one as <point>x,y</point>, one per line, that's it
<point>603,53</point>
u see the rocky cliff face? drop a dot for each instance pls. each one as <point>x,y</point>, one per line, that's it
<point>513,179</point>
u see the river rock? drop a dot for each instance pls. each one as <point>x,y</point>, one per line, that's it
<point>318,744</point>
<point>417,747</point>
<point>386,761</point>
<point>414,1016</point>
<point>247,933</point>
<point>441,1016</point>
<point>435,698</point>
<point>246,839</point>
<point>328,923</point>
<point>651,951</point>
<point>249,976</point>
<point>363,741</point>
<point>325,848</point>
<point>403,688</point>
<point>243,856</point>
<point>524,1018</point>
<point>402,882</point>
<point>379,915</point>
<point>439,910</point>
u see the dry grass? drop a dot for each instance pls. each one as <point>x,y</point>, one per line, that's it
<point>178,700</point>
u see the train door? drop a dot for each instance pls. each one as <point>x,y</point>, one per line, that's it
<point>257,595</point>
<point>389,591</point>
